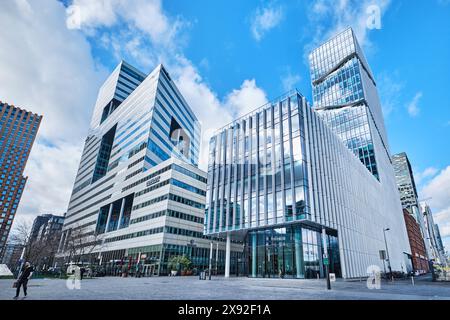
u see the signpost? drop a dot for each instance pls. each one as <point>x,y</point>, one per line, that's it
<point>332,277</point>
<point>326,261</point>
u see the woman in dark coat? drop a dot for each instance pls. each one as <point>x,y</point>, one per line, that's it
<point>25,275</point>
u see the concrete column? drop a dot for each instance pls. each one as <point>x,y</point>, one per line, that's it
<point>121,213</point>
<point>227,256</point>
<point>109,217</point>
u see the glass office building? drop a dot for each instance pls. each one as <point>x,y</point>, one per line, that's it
<point>124,200</point>
<point>345,96</point>
<point>280,176</point>
<point>432,235</point>
<point>285,173</point>
<point>257,179</point>
<point>18,129</point>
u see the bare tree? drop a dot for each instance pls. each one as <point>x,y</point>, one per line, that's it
<point>80,243</point>
<point>36,251</point>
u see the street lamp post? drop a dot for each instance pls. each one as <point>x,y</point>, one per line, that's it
<point>387,252</point>
<point>191,245</point>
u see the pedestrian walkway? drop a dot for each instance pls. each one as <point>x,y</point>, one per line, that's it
<point>191,288</point>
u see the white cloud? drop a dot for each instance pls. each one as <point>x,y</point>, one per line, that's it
<point>390,87</point>
<point>245,99</point>
<point>413,106</point>
<point>289,80</point>
<point>264,19</point>
<point>48,69</point>
<point>61,81</point>
<point>51,173</point>
<point>438,189</point>
<point>329,17</point>
<point>162,41</point>
<point>146,16</point>
<point>423,176</point>
<point>210,110</point>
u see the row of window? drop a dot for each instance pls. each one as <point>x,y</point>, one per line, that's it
<point>91,197</point>
<point>150,176</point>
<point>166,229</point>
<point>171,197</point>
<point>89,206</point>
<point>169,213</point>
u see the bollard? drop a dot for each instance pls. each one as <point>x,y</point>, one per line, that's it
<point>412,280</point>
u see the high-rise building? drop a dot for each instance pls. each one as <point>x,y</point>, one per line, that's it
<point>11,257</point>
<point>405,180</point>
<point>431,238</point>
<point>419,257</point>
<point>279,177</point>
<point>440,244</point>
<point>409,198</point>
<point>284,174</point>
<point>345,96</point>
<point>138,195</point>
<point>18,129</point>
<point>46,227</point>
<point>38,222</point>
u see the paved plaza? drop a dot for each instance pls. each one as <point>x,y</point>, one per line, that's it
<point>191,288</point>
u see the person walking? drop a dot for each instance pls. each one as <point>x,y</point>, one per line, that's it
<point>25,275</point>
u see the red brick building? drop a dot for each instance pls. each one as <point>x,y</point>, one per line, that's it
<point>418,251</point>
<point>18,129</point>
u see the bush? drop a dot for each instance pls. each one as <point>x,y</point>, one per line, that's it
<point>179,262</point>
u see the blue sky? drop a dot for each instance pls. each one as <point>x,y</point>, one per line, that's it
<point>227,57</point>
<point>409,51</point>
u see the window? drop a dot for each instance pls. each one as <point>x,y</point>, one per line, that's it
<point>104,154</point>
<point>179,138</point>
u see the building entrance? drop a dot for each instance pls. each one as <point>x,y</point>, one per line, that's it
<point>293,251</point>
<point>150,270</point>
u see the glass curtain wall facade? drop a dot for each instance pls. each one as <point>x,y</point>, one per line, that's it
<point>258,178</point>
<point>279,176</point>
<point>290,252</point>
<point>18,129</point>
<point>345,95</point>
<point>130,133</point>
<point>257,168</point>
<point>139,197</point>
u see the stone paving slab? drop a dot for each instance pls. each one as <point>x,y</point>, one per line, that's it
<point>219,288</point>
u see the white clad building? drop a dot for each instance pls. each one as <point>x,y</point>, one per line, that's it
<point>141,125</point>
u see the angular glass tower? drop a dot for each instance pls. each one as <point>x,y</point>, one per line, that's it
<point>286,173</point>
<point>279,176</point>
<point>345,96</point>
<point>139,197</point>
